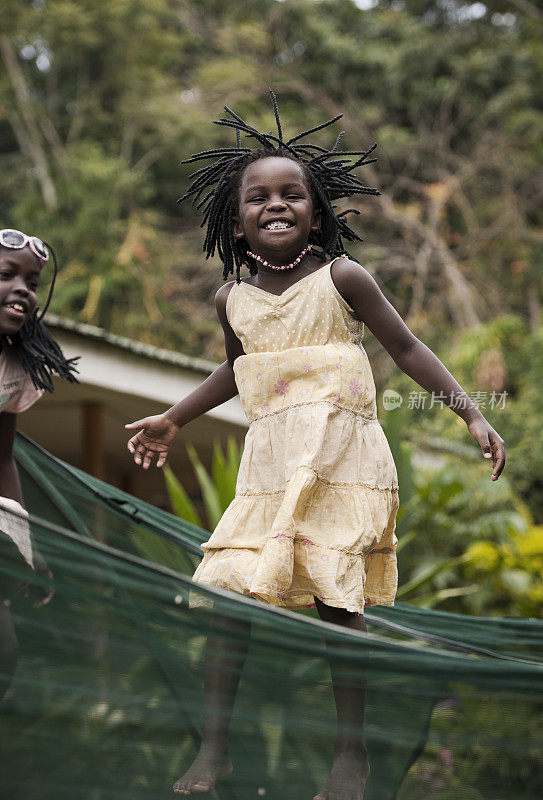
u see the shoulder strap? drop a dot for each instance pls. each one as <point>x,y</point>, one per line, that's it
<point>347,306</point>
<point>228,307</point>
<point>333,261</point>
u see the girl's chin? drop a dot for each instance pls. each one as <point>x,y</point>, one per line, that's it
<point>278,246</point>
<point>11,322</point>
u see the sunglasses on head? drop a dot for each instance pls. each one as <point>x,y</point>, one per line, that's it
<point>16,240</point>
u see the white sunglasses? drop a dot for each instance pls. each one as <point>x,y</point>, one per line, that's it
<point>16,240</point>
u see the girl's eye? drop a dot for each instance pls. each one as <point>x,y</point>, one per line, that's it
<point>5,275</point>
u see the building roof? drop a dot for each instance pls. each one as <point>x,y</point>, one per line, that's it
<point>131,345</point>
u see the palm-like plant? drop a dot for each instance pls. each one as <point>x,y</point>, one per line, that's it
<point>218,488</point>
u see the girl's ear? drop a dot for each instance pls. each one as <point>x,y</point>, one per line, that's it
<point>239,233</point>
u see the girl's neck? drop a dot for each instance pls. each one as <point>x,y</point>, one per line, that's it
<point>277,281</point>
<point>283,266</point>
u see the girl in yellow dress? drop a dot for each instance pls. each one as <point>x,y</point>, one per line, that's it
<point>313,519</point>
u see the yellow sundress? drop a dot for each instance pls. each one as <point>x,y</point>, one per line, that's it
<point>317,491</point>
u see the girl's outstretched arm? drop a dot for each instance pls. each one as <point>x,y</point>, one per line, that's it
<point>156,434</point>
<point>362,293</point>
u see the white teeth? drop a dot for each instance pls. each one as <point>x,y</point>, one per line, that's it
<point>16,306</point>
<point>273,226</point>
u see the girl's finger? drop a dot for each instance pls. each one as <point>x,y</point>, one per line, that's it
<point>139,454</point>
<point>139,423</point>
<point>485,447</point>
<point>162,458</point>
<point>499,460</point>
<point>133,443</point>
<point>148,458</point>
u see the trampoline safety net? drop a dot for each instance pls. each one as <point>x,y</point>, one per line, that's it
<point>106,697</point>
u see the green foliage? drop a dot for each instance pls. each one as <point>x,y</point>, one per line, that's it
<point>93,129</point>
<point>224,471</point>
<point>503,360</point>
<point>453,508</point>
<point>159,551</point>
<point>217,489</point>
<point>450,768</point>
<point>210,493</point>
<point>181,502</point>
<point>465,543</point>
<point>512,571</point>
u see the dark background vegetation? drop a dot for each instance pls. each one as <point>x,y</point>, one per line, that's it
<point>99,103</point>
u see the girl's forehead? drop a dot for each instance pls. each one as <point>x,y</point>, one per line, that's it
<point>274,169</point>
<point>23,259</point>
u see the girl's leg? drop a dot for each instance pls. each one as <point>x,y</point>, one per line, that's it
<point>350,766</point>
<point>9,649</point>
<point>225,656</point>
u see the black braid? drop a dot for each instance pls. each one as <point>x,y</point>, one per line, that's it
<point>37,351</point>
<point>215,188</point>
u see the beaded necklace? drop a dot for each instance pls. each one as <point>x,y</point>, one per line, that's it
<point>284,266</point>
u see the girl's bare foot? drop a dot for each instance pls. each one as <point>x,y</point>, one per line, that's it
<point>209,766</point>
<point>347,778</point>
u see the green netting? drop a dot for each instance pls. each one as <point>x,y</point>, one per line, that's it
<point>106,701</point>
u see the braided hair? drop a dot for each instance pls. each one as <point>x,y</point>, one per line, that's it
<point>214,188</point>
<point>37,351</point>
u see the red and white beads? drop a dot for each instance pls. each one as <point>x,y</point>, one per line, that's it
<point>284,266</point>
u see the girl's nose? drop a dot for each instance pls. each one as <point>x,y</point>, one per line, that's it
<point>276,202</point>
<point>21,287</point>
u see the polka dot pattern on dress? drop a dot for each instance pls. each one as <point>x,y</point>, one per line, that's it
<point>310,312</point>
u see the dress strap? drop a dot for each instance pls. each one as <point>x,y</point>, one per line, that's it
<point>333,261</point>
<point>229,301</point>
<point>340,297</point>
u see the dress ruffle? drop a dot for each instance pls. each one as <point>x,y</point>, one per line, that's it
<point>290,567</point>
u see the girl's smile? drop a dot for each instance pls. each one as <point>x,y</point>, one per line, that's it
<point>275,212</point>
<point>19,278</point>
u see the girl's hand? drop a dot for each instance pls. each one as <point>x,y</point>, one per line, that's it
<point>154,439</point>
<point>491,444</point>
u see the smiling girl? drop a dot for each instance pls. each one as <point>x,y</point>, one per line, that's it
<point>313,519</point>
<point>28,356</point>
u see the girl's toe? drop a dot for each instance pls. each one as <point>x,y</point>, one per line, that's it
<point>199,787</point>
